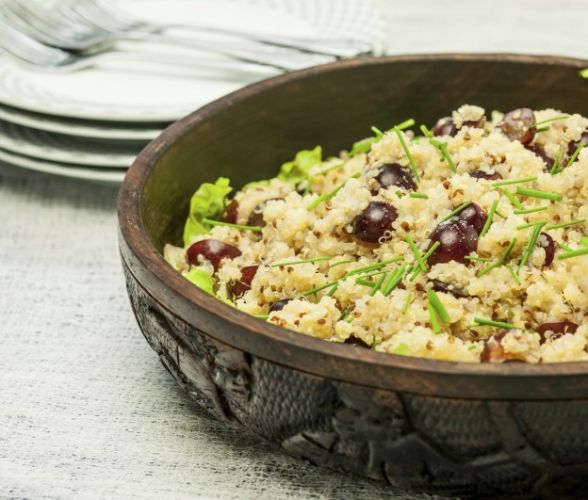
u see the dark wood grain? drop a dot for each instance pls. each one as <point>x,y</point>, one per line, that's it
<point>453,428</point>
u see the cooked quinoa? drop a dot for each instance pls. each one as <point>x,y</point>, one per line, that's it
<point>413,242</point>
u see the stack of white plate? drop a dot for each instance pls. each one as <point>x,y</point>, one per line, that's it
<point>91,124</point>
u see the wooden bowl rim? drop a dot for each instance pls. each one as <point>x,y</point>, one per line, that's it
<point>135,238</point>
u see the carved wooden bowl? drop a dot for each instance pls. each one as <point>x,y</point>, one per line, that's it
<point>471,430</point>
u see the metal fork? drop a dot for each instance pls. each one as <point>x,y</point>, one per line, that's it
<point>65,28</point>
<point>105,16</point>
<point>34,54</point>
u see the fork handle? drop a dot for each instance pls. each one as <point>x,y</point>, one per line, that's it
<point>253,53</point>
<point>326,46</point>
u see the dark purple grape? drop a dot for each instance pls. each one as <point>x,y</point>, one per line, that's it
<point>212,250</point>
<point>256,216</point>
<point>479,123</point>
<point>573,145</point>
<point>539,151</point>
<point>557,329</point>
<point>356,342</point>
<point>473,215</point>
<point>238,288</point>
<point>392,174</point>
<point>279,305</point>
<point>457,239</point>
<point>518,125</point>
<point>371,225</point>
<point>480,174</point>
<point>546,242</point>
<point>231,212</point>
<point>441,286</point>
<point>493,351</point>
<point>444,126</point>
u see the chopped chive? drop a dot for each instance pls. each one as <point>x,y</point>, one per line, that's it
<point>574,253</point>
<point>407,302</point>
<point>317,289</point>
<point>262,317</point>
<point>550,120</point>
<point>584,73</point>
<point>377,132</point>
<point>564,247</point>
<point>436,303</point>
<point>435,326</point>
<point>409,157</point>
<point>400,194</point>
<point>576,153</point>
<point>489,219</point>
<point>472,347</point>
<point>329,169</point>
<point>514,275</point>
<point>344,314</point>
<point>497,324</point>
<point>543,129</point>
<point>373,341</point>
<point>509,182</point>
<point>365,282</point>
<point>362,146</point>
<point>565,224</point>
<point>555,167</point>
<point>394,279</point>
<point>477,259</point>
<point>371,275</point>
<point>418,269</point>
<point>531,224</point>
<point>333,290</point>
<point>305,261</point>
<point>405,124</point>
<point>341,262</point>
<point>361,270</point>
<point>421,196</point>
<point>416,252</point>
<point>322,172</point>
<point>373,267</point>
<point>500,215</point>
<point>584,241</point>
<point>530,210</point>
<point>426,132</point>
<point>532,242</point>
<point>330,195</point>
<point>456,211</point>
<point>535,193</point>
<point>513,199</point>
<point>500,261</point>
<point>431,250</point>
<point>378,284</point>
<point>229,224</point>
<point>442,147</point>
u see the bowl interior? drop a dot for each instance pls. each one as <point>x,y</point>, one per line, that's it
<point>248,135</point>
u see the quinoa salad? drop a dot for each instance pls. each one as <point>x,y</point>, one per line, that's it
<point>467,241</point>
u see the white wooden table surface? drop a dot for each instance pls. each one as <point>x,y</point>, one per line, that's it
<point>86,409</point>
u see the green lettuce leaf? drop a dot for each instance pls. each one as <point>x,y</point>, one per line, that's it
<point>298,169</point>
<point>201,279</point>
<point>208,201</point>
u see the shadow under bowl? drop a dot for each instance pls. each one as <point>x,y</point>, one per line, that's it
<point>463,429</point>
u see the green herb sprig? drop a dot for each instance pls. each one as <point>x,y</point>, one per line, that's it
<point>535,193</point>
<point>532,242</point>
<point>330,195</point>
<point>241,227</point>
